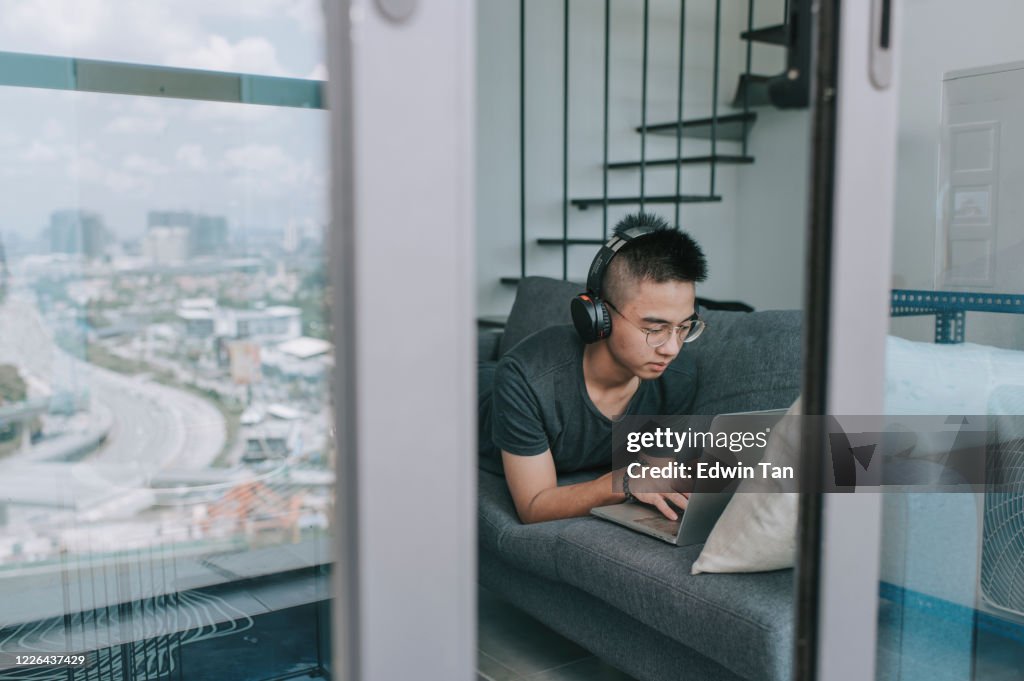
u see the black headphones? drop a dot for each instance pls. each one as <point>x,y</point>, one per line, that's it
<point>590,313</point>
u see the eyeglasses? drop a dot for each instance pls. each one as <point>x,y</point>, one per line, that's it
<point>688,331</point>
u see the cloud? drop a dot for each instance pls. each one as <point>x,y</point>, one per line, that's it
<point>248,55</point>
<point>88,170</point>
<point>167,32</point>
<point>52,128</point>
<point>40,153</point>
<point>269,170</point>
<point>143,164</point>
<point>258,158</point>
<point>228,112</point>
<point>137,125</point>
<point>319,72</point>
<point>60,22</point>
<point>191,156</point>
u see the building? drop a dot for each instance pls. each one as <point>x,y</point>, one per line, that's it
<point>199,315</point>
<point>167,245</point>
<point>203,318</point>
<point>78,232</point>
<point>207,234</point>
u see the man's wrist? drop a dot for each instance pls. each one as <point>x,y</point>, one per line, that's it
<point>625,486</point>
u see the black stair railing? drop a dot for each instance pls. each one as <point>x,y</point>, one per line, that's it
<point>607,78</point>
<point>565,139</point>
<point>522,141</point>
<point>679,106</point>
<point>746,90</point>
<point>783,91</point>
<point>643,104</point>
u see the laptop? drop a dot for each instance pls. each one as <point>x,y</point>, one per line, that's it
<point>704,508</point>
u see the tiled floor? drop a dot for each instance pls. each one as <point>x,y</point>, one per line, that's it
<point>513,646</point>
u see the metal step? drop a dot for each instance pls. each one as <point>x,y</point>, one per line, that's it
<point>583,204</point>
<point>756,87</point>
<point>558,241</point>
<point>770,35</point>
<point>688,160</point>
<point>730,127</point>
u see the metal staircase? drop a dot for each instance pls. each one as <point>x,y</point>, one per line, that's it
<point>786,90</point>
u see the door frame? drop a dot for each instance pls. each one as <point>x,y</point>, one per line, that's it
<point>401,96</point>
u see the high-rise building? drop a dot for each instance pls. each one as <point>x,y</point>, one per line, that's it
<point>207,234</point>
<point>78,232</point>
<point>167,245</point>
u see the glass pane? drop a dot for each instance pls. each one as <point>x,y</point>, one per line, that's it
<point>165,425</point>
<point>742,188</point>
<point>265,37</point>
<point>952,570</point>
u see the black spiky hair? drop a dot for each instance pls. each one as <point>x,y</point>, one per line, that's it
<point>666,254</point>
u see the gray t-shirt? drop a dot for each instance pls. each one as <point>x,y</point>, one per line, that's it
<point>535,399</point>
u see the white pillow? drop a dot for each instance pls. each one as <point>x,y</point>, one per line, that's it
<point>757,530</point>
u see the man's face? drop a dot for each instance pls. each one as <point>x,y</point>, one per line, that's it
<point>649,305</point>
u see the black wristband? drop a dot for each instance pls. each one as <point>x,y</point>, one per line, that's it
<point>625,487</point>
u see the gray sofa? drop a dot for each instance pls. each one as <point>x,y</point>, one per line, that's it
<point>626,597</point>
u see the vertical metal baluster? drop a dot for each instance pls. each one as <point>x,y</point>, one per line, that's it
<point>65,600</point>
<point>643,111</point>
<point>124,616</point>
<point>174,646</point>
<point>714,93</point>
<point>746,88</point>
<point>565,139</point>
<point>522,138</point>
<point>143,625</point>
<point>607,75</point>
<point>679,106</point>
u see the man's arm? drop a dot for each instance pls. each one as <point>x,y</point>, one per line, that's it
<point>537,496</point>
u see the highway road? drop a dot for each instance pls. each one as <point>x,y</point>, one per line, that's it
<point>154,427</point>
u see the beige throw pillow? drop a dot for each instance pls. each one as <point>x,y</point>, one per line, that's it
<point>757,530</point>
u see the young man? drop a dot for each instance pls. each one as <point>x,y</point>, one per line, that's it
<point>556,393</point>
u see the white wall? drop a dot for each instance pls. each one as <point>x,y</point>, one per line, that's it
<point>753,238</point>
<point>772,196</point>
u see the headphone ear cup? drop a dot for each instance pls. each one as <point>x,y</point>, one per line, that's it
<point>590,317</point>
<point>604,320</point>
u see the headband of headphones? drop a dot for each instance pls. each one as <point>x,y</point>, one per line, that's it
<point>597,268</point>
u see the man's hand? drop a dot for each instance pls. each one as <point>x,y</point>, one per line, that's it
<point>662,493</point>
<point>663,501</point>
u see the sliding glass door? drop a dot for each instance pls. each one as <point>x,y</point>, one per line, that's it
<point>920,577</point>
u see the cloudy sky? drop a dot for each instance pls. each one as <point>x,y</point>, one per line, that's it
<point>122,156</point>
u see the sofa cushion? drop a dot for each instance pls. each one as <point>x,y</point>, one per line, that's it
<point>742,621</point>
<point>757,531</point>
<point>540,302</point>
<point>530,547</point>
<point>487,343</point>
<point>747,361</point>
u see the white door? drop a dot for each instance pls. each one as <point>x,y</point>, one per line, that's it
<point>981,167</point>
